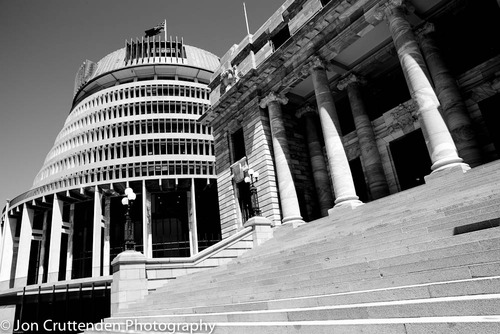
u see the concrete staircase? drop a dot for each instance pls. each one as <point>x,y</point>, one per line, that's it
<point>426,260</point>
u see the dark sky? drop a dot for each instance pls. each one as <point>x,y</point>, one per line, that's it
<point>43,43</point>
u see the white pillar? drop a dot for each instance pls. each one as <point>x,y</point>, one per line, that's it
<point>193,227</point>
<point>55,241</point>
<point>147,237</point>
<point>107,247</point>
<point>3,220</point>
<point>9,229</point>
<point>69,253</point>
<point>43,249</point>
<point>442,149</point>
<point>24,249</point>
<point>96,232</point>
<point>343,183</point>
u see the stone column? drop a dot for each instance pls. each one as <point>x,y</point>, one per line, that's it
<point>343,184</point>
<point>96,234</point>
<point>9,229</point>
<point>55,241</point>
<point>377,183</point>
<point>43,248</point>
<point>107,228</point>
<point>193,223</point>
<point>453,109</point>
<point>318,164</point>
<point>288,195</point>
<point>71,234</point>
<point>24,249</point>
<point>442,150</point>
<point>147,237</point>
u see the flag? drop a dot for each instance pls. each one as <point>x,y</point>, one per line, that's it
<point>155,30</point>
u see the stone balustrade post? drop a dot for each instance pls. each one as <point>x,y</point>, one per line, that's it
<point>130,283</point>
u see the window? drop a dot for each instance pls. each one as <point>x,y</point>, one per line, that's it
<point>238,145</point>
<point>281,37</point>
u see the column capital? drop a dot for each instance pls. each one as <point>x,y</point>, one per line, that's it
<point>273,97</point>
<point>388,8</point>
<point>425,30</point>
<point>306,110</point>
<point>351,79</point>
<point>318,63</point>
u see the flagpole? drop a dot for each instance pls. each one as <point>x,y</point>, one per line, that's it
<point>246,18</point>
<point>165,29</point>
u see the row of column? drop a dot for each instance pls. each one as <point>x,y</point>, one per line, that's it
<point>443,118</point>
<point>58,227</point>
<point>26,235</point>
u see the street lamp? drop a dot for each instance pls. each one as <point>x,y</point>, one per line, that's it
<point>252,177</point>
<point>128,200</point>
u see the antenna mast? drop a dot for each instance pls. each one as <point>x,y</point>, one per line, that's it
<point>246,18</point>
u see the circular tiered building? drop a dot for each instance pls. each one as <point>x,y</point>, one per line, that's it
<point>133,124</point>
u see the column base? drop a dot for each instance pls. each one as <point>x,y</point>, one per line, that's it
<point>294,221</point>
<point>450,172</point>
<point>449,163</point>
<point>349,205</point>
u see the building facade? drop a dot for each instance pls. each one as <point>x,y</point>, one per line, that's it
<point>133,124</point>
<point>336,103</point>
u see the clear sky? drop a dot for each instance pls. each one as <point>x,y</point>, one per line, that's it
<point>43,43</point>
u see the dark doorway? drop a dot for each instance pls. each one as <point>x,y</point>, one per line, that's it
<point>207,213</point>
<point>490,108</point>
<point>411,159</point>
<point>170,226</point>
<point>82,239</point>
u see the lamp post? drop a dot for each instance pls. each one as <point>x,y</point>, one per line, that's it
<point>252,177</point>
<point>128,200</point>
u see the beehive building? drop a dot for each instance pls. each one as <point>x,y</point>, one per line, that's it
<point>133,124</point>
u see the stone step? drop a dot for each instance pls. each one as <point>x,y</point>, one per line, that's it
<point>375,258</point>
<point>401,219</point>
<point>475,238</point>
<point>461,244</point>
<point>415,325</point>
<point>477,286</point>
<point>489,210</point>
<point>375,239</point>
<point>350,246</point>
<point>336,275</point>
<point>488,304</point>
<point>273,288</point>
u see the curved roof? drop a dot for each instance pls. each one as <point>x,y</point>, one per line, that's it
<point>194,57</point>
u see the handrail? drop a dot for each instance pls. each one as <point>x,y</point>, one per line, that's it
<point>62,285</point>
<point>193,260</point>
